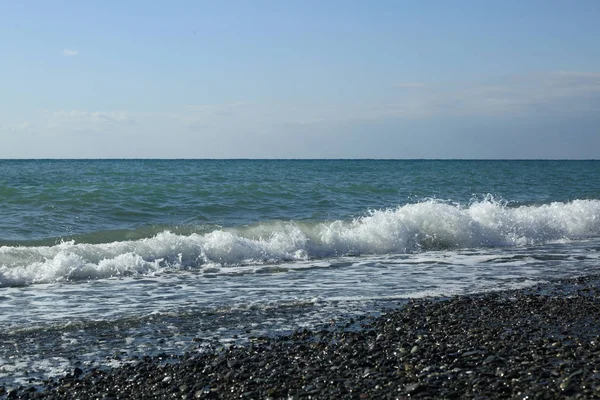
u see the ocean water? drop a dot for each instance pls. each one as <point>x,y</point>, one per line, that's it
<point>105,260</point>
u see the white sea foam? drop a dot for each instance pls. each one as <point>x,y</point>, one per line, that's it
<point>427,225</point>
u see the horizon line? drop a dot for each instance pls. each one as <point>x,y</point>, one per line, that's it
<point>290,159</point>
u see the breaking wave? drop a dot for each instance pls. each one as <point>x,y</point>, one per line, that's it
<point>423,226</point>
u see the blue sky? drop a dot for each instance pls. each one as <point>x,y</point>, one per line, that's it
<point>300,79</point>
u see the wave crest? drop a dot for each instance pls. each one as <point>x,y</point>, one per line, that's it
<point>422,226</point>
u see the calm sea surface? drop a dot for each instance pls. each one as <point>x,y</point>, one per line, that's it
<point>108,259</point>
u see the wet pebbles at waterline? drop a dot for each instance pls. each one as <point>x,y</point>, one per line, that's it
<point>539,343</point>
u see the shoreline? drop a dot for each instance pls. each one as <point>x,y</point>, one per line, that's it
<point>540,342</point>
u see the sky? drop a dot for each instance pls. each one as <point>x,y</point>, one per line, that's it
<point>300,79</point>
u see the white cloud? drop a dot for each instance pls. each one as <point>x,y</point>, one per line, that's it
<point>77,120</point>
<point>535,94</point>
<point>214,130</point>
<point>560,93</point>
<point>564,92</point>
<point>17,127</point>
<point>409,85</point>
<point>69,52</point>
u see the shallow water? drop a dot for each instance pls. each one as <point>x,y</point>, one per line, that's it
<point>96,322</point>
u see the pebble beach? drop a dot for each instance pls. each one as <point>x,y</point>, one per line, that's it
<point>541,342</point>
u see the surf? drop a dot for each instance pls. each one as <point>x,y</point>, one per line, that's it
<point>427,225</point>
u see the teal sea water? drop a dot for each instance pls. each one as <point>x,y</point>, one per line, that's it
<point>134,257</point>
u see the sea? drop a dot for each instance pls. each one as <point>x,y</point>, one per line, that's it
<point>106,261</point>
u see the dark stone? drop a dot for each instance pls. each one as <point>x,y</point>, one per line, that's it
<point>508,345</point>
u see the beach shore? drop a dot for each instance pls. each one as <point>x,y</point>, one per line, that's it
<point>541,342</point>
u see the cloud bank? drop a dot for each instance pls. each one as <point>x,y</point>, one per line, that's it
<point>562,92</point>
<point>549,115</point>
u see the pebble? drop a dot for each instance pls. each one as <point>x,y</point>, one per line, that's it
<point>539,343</point>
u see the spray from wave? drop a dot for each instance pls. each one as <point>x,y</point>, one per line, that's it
<point>422,226</point>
